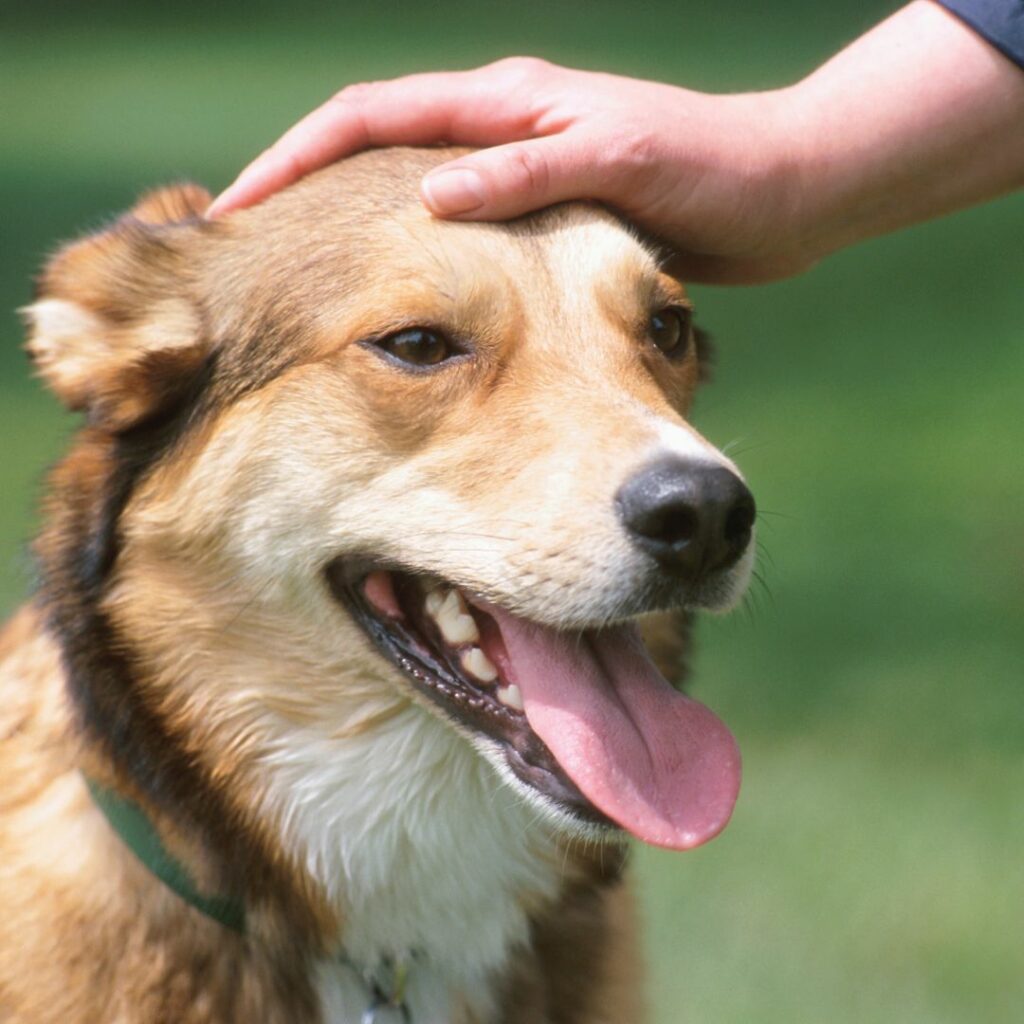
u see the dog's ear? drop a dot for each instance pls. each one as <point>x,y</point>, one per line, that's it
<point>113,331</point>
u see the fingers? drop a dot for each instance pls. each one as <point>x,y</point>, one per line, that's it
<point>483,107</point>
<point>513,179</point>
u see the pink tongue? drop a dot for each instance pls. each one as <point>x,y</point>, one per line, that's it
<point>659,764</point>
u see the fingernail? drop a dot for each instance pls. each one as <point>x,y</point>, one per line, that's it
<point>459,190</point>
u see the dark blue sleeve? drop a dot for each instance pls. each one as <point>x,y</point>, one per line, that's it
<point>1001,22</point>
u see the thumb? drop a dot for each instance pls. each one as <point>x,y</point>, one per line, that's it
<point>516,178</point>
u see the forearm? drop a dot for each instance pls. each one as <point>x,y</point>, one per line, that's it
<point>917,118</point>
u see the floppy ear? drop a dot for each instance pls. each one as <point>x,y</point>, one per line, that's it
<point>113,331</point>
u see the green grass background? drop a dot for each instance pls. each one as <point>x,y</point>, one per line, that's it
<point>873,870</point>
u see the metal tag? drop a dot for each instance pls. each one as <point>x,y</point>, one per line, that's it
<point>386,1014</point>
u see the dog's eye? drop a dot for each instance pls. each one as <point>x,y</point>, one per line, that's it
<point>418,346</point>
<point>669,330</point>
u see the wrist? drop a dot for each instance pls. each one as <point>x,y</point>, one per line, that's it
<point>821,180</point>
<point>786,181</point>
<point>915,119</point>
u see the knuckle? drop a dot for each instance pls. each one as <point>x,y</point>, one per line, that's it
<point>632,154</point>
<point>355,94</point>
<point>295,165</point>
<point>354,104</point>
<point>522,69</point>
<point>288,159</point>
<point>528,171</point>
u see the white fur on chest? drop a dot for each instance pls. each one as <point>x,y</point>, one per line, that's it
<point>424,851</point>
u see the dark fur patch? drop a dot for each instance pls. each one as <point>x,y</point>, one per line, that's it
<point>78,553</point>
<point>174,406</point>
<point>150,390</point>
<point>567,944</point>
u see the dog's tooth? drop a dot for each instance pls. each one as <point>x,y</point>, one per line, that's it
<point>433,601</point>
<point>458,629</point>
<point>511,696</point>
<point>478,665</point>
<point>455,602</point>
<point>453,619</point>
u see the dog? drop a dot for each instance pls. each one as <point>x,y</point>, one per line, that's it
<point>331,704</point>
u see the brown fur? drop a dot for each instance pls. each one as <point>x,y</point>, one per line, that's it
<point>177,338</point>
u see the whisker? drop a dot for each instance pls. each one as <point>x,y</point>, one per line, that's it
<point>777,515</point>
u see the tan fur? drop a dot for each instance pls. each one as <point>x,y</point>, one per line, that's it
<point>226,645</point>
<point>87,933</point>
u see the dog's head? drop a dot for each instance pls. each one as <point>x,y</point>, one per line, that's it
<point>342,458</point>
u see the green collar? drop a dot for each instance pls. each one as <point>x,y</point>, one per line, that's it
<point>129,821</point>
<point>385,986</point>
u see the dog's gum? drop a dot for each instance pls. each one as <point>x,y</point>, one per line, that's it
<point>380,592</point>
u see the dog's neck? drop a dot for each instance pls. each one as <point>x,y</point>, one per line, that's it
<point>420,847</point>
<point>406,986</point>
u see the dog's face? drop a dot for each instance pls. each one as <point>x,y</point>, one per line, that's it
<point>388,459</point>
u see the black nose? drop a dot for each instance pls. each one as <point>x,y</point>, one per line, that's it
<point>693,517</point>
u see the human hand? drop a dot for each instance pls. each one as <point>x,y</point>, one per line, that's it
<point>915,119</point>
<point>708,174</point>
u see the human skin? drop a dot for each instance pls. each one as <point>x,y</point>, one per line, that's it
<point>915,119</point>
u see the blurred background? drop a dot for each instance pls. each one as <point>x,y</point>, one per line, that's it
<point>873,869</point>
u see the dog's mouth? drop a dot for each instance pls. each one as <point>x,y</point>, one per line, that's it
<point>582,718</point>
